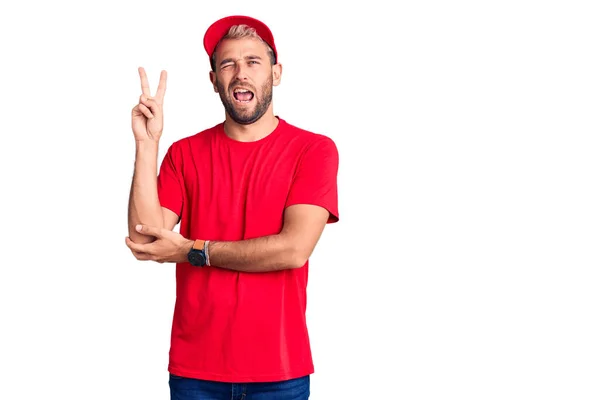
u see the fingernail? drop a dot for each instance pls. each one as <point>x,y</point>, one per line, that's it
<point>138,227</point>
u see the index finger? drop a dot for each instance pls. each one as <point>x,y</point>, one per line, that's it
<point>145,84</point>
<point>162,86</point>
<point>138,247</point>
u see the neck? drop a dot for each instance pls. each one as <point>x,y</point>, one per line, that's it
<point>251,132</point>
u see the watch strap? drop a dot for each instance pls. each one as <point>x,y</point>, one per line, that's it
<point>198,244</point>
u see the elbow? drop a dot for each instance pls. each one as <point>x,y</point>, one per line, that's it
<point>298,263</point>
<point>138,238</point>
<point>298,258</point>
<point>294,252</point>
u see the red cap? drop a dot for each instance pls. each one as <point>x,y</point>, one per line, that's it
<point>218,29</point>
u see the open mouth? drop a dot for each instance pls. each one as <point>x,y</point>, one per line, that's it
<point>243,95</point>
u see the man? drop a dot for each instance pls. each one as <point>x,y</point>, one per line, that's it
<point>253,195</point>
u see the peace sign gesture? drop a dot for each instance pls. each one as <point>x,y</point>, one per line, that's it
<point>147,115</point>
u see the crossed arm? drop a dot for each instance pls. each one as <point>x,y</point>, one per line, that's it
<point>291,248</point>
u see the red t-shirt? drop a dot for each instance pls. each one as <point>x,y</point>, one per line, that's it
<point>234,326</point>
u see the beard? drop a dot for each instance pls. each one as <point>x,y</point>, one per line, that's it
<point>248,116</point>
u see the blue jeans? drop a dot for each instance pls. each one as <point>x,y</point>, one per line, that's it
<point>196,389</point>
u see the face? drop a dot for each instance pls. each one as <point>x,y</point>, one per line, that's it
<point>244,78</point>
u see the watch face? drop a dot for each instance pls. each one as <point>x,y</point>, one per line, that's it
<point>196,258</point>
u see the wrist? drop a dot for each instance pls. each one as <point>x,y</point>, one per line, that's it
<point>147,145</point>
<point>198,254</point>
<point>185,248</point>
<point>206,252</point>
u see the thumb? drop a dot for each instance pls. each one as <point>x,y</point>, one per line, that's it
<point>149,230</point>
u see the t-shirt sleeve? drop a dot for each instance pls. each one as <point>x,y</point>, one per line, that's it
<point>315,181</point>
<point>170,182</point>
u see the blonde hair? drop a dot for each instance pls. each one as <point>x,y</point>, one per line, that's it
<point>239,32</point>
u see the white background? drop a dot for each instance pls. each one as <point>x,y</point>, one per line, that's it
<point>464,266</point>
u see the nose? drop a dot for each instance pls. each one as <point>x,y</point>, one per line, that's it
<point>241,71</point>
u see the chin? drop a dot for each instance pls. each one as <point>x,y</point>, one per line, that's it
<point>246,121</point>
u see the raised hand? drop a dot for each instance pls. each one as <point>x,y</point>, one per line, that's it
<point>147,115</point>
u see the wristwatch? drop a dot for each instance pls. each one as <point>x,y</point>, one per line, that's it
<point>197,256</point>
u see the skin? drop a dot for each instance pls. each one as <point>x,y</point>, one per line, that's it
<point>147,126</point>
<point>240,63</point>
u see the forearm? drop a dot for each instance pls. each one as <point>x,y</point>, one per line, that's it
<point>144,205</point>
<point>267,253</point>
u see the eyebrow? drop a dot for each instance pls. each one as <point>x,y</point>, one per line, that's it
<point>249,57</point>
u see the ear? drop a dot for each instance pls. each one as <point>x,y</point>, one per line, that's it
<point>276,70</point>
<point>213,79</point>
